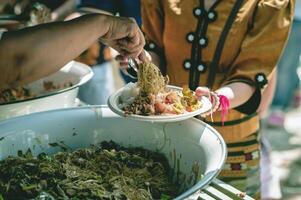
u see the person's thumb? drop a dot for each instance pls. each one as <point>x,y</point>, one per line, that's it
<point>123,61</point>
<point>145,56</point>
<point>202,91</point>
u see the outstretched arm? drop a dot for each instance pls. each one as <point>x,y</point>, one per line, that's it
<point>31,53</point>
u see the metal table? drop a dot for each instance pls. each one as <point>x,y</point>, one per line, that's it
<point>219,190</point>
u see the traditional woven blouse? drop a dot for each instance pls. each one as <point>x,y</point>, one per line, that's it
<point>233,41</point>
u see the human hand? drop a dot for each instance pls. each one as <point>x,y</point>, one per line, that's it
<point>124,36</point>
<point>212,96</point>
<point>144,56</point>
<point>125,65</point>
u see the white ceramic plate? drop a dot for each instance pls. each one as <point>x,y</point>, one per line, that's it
<point>114,101</point>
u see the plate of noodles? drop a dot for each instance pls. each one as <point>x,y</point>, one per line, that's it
<point>152,99</point>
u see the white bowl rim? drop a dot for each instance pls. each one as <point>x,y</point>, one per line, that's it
<point>85,79</point>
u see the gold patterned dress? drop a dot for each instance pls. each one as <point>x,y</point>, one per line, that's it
<point>232,41</point>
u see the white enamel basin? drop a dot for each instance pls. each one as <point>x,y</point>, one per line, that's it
<point>187,144</point>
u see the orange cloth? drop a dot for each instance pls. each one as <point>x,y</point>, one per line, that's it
<point>252,47</point>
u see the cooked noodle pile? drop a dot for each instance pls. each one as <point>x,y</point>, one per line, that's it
<point>150,79</point>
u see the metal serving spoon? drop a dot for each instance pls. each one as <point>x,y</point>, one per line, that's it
<point>132,69</point>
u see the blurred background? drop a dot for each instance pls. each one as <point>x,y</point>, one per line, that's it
<point>281,124</point>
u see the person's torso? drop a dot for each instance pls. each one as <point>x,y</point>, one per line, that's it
<point>187,23</point>
<point>182,28</point>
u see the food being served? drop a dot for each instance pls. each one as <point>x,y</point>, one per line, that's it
<point>23,92</point>
<point>106,172</point>
<point>151,96</point>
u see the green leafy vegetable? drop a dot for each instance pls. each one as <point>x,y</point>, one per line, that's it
<point>108,171</point>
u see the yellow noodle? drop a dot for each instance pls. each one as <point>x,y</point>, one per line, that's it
<point>150,79</point>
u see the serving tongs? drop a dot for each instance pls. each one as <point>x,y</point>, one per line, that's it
<point>132,69</point>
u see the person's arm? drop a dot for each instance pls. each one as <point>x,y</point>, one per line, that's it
<point>246,82</point>
<point>238,93</point>
<point>268,95</point>
<point>31,53</point>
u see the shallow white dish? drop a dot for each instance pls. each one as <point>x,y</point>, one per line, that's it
<point>191,147</point>
<point>114,101</point>
<point>74,72</point>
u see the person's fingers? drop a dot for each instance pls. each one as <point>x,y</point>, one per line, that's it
<point>133,50</point>
<point>119,49</point>
<point>126,37</point>
<point>133,53</point>
<point>133,36</point>
<point>144,56</point>
<point>123,62</point>
<point>141,37</point>
<point>127,49</point>
<point>202,91</point>
<point>123,66</point>
<point>139,48</point>
<point>127,43</point>
<point>136,41</point>
<point>121,58</point>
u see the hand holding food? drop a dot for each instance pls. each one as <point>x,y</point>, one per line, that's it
<point>213,97</point>
<point>124,36</point>
<point>64,41</point>
<point>143,57</point>
<point>219,102</point>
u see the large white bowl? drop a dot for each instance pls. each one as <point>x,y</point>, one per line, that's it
<point>74,72</point>
<point>188,144</point>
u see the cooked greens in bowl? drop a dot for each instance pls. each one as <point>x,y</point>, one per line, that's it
<point>194,151</point>
<point>106,171</point>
